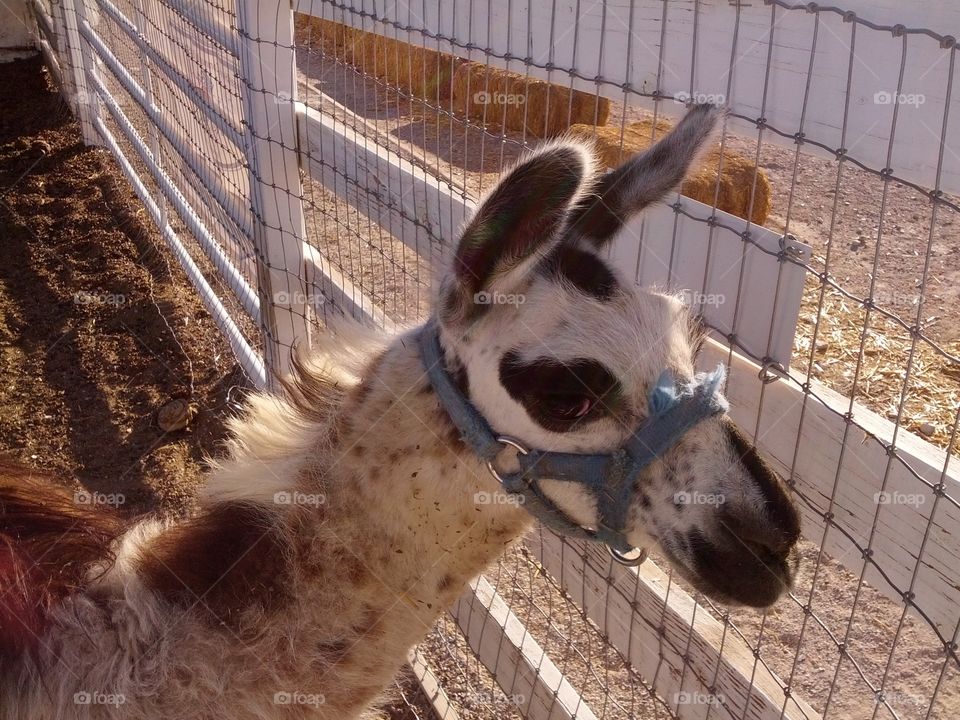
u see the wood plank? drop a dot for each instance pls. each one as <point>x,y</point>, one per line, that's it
<point>733,283</point>
<point>249,359</point>
<point>673,643</point>
<point>670,248</point>
<point>50,60</point>
<point>432,689</point>
<point>81,99</point>
<point>686,46</point>
<point>271,146</point>
<point>815,455</point>
<point>517,662</point>
<point>44,22</point>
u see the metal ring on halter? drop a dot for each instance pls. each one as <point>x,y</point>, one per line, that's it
<point>506,441</point>
<point>631,559</point>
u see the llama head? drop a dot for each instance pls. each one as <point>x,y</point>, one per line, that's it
<point>559,352</point>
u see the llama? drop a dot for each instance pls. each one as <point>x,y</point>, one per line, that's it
<point>346,513</point>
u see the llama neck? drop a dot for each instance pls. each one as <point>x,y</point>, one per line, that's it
<point>410,513</point>
<point>399,463</point>
<point>406,523</point>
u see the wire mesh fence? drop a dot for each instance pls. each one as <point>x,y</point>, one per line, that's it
<point>322,161</point>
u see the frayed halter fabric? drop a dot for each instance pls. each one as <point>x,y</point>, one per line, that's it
<point>608,477</point>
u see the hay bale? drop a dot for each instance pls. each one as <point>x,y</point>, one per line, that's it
<point>504,99</point>
<point>736,180</point>
<point>419,72</point>
<point>478,92</point>
<point>332,37</point>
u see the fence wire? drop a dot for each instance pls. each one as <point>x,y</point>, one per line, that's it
<point>879,319</point>
<point>816,644</point>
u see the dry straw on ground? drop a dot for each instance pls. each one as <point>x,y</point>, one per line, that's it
<point>743,190</point>
<point>933,387</point>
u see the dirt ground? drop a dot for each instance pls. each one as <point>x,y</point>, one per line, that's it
<point>96,327</point>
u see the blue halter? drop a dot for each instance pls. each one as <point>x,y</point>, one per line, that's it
<point>609,478</point>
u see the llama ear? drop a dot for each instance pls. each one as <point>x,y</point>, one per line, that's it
<point>645,178</point>
<point>519,219</point>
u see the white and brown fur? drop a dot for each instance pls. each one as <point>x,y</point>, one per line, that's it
<point>321,598</point>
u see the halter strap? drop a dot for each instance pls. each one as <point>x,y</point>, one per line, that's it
<point>608,477</point>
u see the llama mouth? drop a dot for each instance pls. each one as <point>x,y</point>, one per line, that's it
<point>735,574</point>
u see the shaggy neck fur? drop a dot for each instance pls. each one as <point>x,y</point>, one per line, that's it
<point>359,525</point>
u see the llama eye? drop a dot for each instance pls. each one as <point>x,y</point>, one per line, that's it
<point>566,406</point>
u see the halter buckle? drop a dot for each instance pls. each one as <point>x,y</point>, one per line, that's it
<point>631,558</point>
<point>506,441</point>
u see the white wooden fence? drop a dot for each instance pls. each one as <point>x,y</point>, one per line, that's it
<point>198,103</point>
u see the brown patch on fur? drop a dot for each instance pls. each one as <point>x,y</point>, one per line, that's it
<point>48,542</point>
<point>452,440</point>
<point>224,561</point>
<point>369,626</point>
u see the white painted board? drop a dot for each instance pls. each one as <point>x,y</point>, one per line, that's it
<point>672,642</point>
<point>518,663</point>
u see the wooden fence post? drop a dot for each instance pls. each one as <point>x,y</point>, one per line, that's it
<point>269,88</point>
<point>82,100</point>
